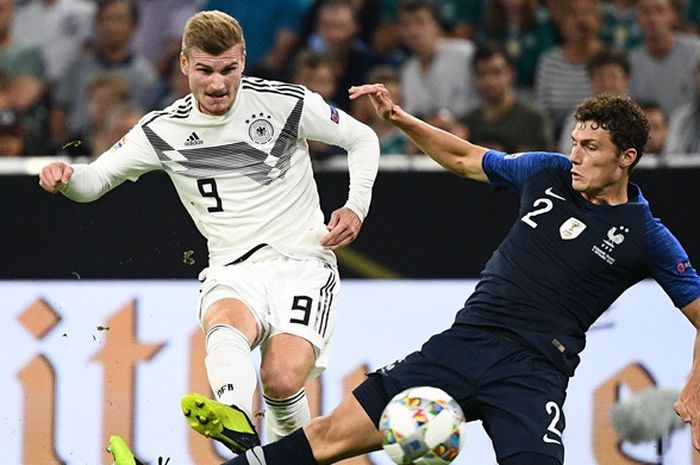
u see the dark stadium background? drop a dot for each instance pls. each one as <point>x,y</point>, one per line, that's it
<point>424,225</point>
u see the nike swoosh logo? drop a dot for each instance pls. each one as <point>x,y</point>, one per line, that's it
<point>551,193</point>
<point>546,438</point>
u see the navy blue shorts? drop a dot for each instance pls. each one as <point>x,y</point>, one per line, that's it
<point>515,391</point>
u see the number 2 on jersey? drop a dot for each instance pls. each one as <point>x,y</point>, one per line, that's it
<point>207,187</point>
<point>541,205</point>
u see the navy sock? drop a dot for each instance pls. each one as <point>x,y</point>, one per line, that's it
<point>290,450</point>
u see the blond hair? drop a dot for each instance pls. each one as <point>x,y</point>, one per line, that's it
<point>213,32</point>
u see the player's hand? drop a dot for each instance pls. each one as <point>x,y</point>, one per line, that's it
<point>378,94</point>
<point>54,176</point>
<point>688,408</point>
<point>343,228</point>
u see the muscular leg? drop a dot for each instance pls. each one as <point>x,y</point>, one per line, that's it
<point>286,362</point>
<point>346,432</point>
<point>231,330</point>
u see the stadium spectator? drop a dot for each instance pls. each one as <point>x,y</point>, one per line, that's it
<point>609,74</point>
<point>658,129</point>
<point>115,24</point>
<point>273,29</point>
<point>428,77</point>
<point>502,118</point>
<point>663,66</point>
<point>120,119</point>
<point>461,18</point>
<point>555,8</point>
<point>458,18</point>
<point>315,71</point>
<point>691,16</point>
<point>60,29</point>
<point>235,149</point>
<point>11,135</point>
<point>684,125</point>
<point>386,41</point>
<point>561,80</point>
<point>159,30</point>
<point>445,120</point>
<point>173,85</point>
<point>525,30</point>
<point>105,91</point>
<point>620,29</point>
<point>337,30</point>
<point>23,81</point>
<point>368,15</point>
<point>391,140</point>
<point>584,234</point>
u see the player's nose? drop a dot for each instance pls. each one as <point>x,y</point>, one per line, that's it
<point>575,155</point>
<point>218,82</point>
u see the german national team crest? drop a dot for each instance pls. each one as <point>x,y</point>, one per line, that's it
<point>571,228</point>
<point>260,130</point>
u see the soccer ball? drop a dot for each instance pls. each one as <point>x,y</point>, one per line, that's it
<point>422,426</point>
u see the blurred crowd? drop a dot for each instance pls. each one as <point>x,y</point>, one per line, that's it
<point>75,75</point>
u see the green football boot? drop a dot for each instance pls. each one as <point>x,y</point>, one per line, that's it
<point>120,452</point>
<point>227,424</point>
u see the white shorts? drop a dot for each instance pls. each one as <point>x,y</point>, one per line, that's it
<point>284,295</point>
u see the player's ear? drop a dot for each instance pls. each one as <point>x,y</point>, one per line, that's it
<point>184,64</point>
<point>628,157</point>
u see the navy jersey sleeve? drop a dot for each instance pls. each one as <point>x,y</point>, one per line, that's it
<point>670,266</point>
<point>509,171</point>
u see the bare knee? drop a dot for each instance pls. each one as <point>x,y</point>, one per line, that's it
<point>281,381</point>
<point>234,313</point>
<point>286,362</point>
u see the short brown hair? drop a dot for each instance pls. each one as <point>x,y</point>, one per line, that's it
<point>413,6</point>
<point>621,116</point>
<point>212,32</point>
<point>115,83</point>
<point>308,59</point>
<point>606,57</point>
<point>383,74</point>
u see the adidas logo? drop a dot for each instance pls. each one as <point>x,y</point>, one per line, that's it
<point>193,140</point>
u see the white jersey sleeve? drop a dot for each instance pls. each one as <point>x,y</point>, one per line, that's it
<point>128,159</point>
<point>323,122</point>
<point>244,177</point>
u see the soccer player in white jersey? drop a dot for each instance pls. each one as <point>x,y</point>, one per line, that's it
<point>236,151</point>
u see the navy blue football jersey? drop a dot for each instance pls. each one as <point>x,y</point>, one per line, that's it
<point>566,260</point>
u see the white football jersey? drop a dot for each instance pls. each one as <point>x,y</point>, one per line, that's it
<point>244,177</point>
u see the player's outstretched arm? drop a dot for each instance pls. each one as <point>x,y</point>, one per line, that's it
<point>455,154</point>
<point>54,176</point>
<point>688,403</point>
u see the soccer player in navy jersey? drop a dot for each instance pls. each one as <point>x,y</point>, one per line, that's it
<point>584,234</point>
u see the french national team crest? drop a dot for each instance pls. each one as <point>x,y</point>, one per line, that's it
<point>571,228</point>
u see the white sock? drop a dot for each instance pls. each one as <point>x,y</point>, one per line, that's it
<point>284,416</point>
<point>232,375</point>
